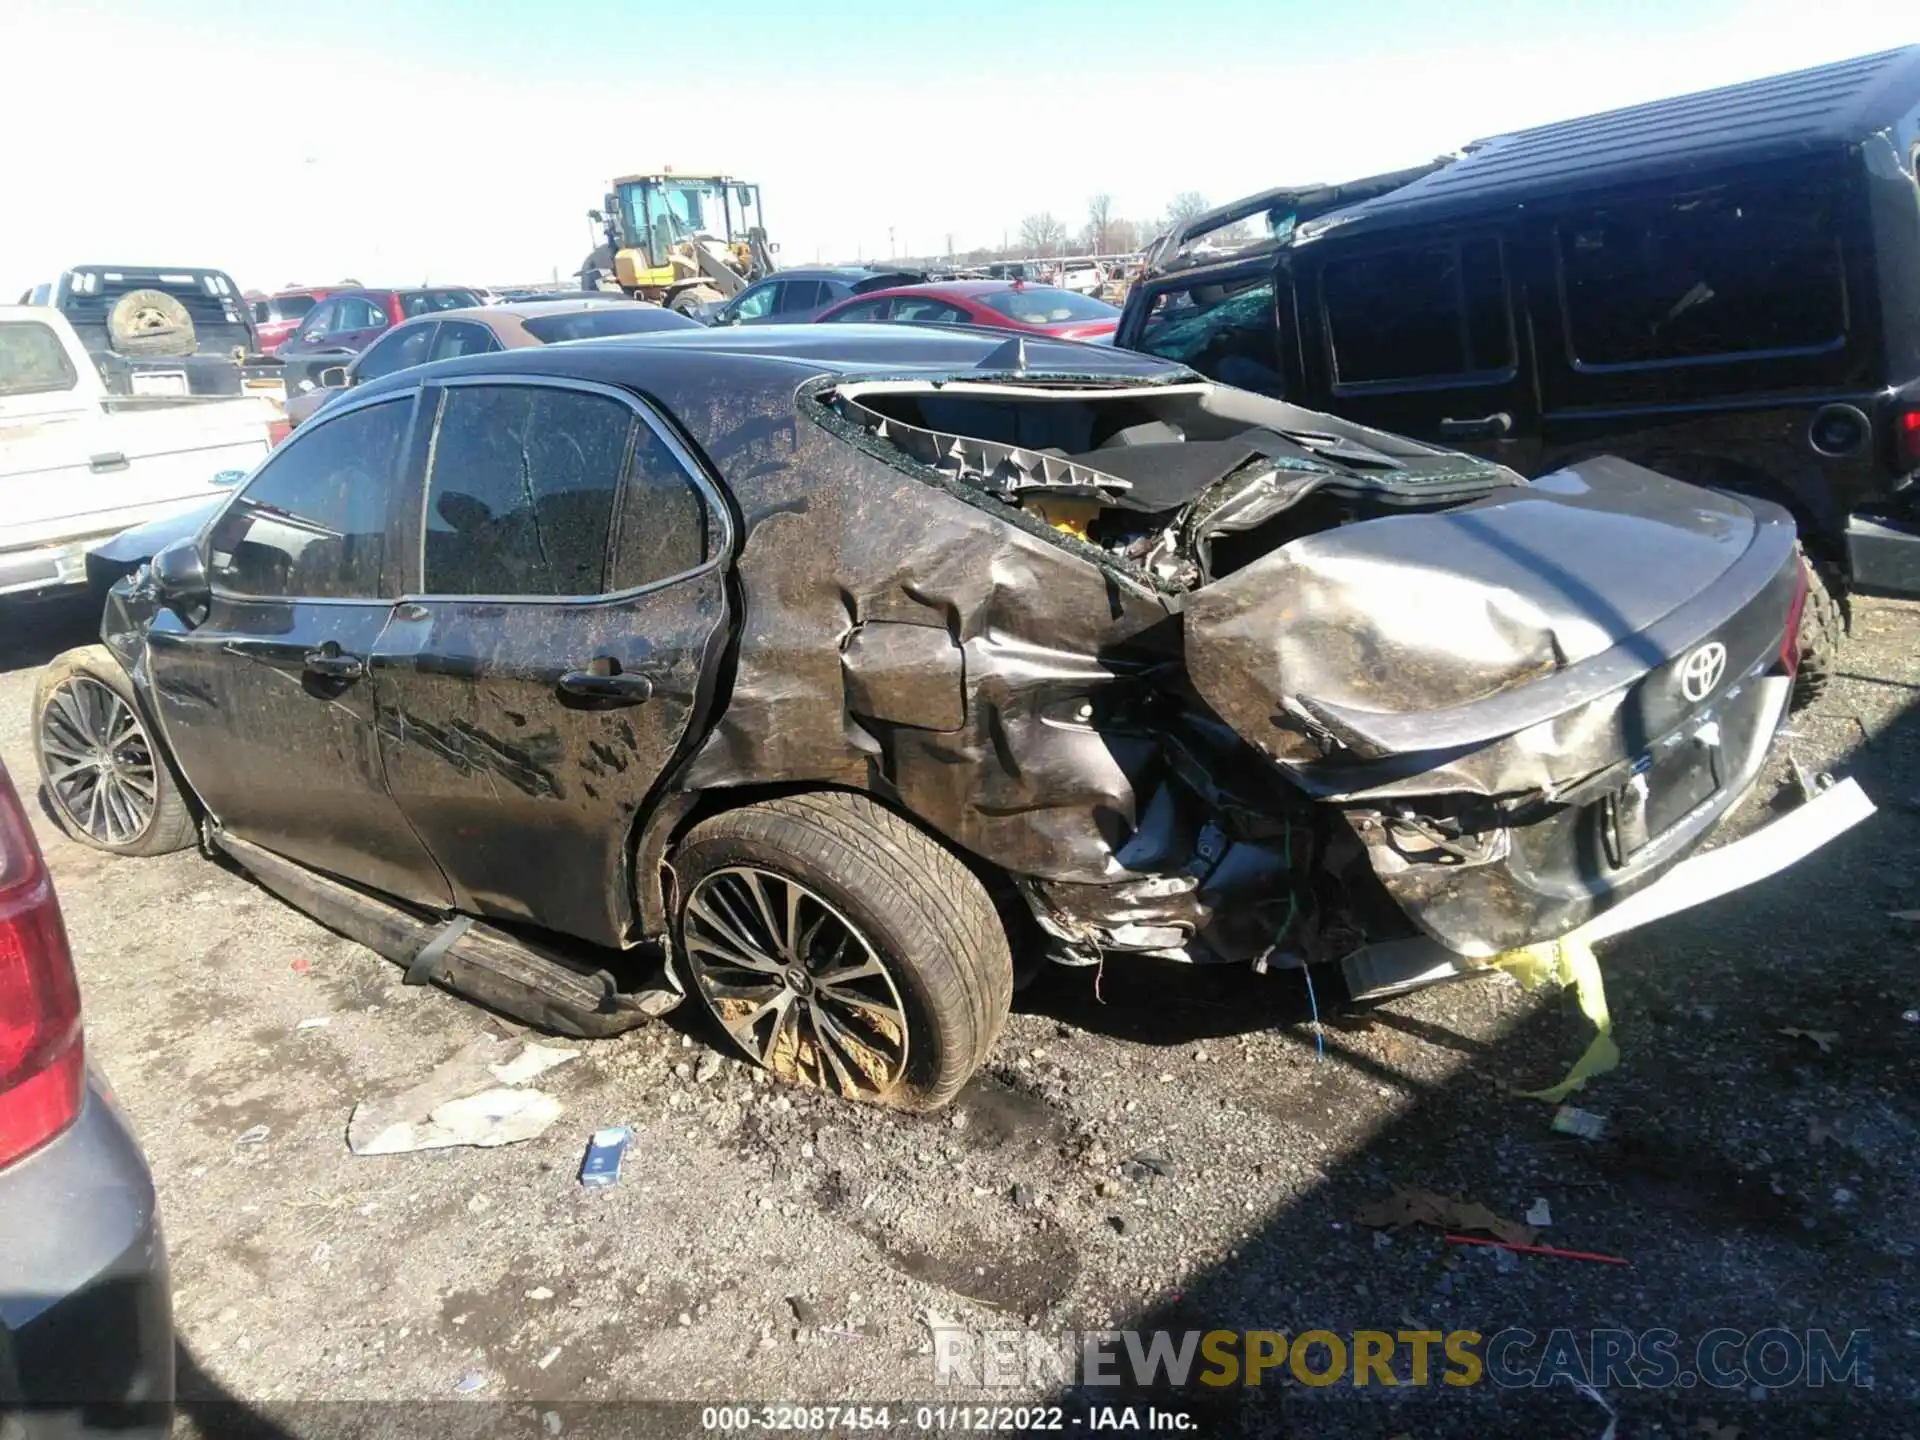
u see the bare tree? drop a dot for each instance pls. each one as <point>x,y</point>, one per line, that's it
<point>1042,234</point>
<point>1099,223</point>
<point>1184,206</point>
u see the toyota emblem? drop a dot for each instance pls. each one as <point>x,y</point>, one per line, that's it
<point>1700,672</point>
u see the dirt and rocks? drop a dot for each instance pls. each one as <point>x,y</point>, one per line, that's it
<point>1169,1150</point>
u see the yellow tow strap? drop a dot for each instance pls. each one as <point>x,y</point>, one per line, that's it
<point>1568,961</point>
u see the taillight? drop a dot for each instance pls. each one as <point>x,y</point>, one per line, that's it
<point>278,430</point>
<point>42,1067</point>
<point>1906,437</point>
<point>1790,642</point>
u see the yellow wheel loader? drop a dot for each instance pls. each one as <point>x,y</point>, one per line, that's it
<point>683,241</point>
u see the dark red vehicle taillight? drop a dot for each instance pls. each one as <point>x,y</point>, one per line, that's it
<point>42,1066</point>
<point>1906,437</point>
<point>1790,642</point>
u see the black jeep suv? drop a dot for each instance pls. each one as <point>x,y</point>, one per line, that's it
<point>1724,287</point>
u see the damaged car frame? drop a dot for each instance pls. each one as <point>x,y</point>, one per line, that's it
<point>814,671</point>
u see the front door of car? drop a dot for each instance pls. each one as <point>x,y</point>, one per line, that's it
<point>1422,337</point>
<point>568,616</point>
<point>267,701</point>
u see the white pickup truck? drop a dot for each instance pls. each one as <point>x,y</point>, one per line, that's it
<point>78,465</point>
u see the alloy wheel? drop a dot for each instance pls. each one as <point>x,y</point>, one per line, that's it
<point>99,762</point>
<point>794,982</point>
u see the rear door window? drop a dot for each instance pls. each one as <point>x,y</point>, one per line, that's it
<point>928,312</point>
<point>312,523</point>
<point>801,295</point>
<point>1727,272</point>
<point>663,521</point>
<point>1435,312</point>
<point>521,496</point>
<point>32,359</point>
<point>864,311</point>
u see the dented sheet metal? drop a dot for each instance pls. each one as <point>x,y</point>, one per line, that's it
<point>1194,673</point>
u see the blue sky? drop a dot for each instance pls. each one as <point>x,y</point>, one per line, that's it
<point>397,142</point>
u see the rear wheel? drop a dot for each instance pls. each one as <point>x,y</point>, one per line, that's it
<point>107,778</point>
<point>1823,630</point>
<point>840,947</point>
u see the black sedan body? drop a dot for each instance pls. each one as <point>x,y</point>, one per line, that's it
<point>811,656</point>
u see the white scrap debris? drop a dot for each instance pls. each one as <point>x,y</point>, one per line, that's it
<point>461,1103</point>
<point>531,1061</point>
<point>1540,1214</point>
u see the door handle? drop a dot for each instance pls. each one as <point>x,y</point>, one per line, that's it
<point>111,460</point>
<point>332,665</point>
<point>1488,427</point>
<point>623,689</point>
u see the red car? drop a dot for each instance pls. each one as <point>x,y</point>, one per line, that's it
<point>996,304</point>
<point>278,315</point>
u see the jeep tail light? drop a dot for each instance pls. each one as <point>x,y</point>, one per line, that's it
<point>42,1067</point>
<point>1790,642</point>
<point>1906,437</point>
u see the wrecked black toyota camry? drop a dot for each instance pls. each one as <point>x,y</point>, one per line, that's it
<point>818,671</point>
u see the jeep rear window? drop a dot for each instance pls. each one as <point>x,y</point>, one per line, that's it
<point>1225,329</point>
<point>1427,312</point>
<point>32,360</point>
<point>1720,273</point>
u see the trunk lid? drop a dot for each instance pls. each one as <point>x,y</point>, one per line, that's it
<point>1443,631</point>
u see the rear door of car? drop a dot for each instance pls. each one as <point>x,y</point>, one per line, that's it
<point>801,300</point>
<point>1422,335</point>
<point>566,615</point>
<point>268,701</point>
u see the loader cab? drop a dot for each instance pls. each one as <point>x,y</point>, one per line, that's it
<point>656,212</point>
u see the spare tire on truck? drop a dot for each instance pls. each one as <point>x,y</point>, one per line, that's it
<point>150,322</point>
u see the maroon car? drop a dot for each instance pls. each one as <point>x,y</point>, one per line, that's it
<point>997,304</point>
<point>277,316</point>
<point>347,321</point>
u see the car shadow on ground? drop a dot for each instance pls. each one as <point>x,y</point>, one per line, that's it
<point>1756,1171</point>
<point>33,632</point>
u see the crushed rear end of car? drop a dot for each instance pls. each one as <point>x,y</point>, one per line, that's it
<point>1399,691</point>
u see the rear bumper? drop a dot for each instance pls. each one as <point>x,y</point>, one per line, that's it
<point>45,567</point>
<point>86,1317</point>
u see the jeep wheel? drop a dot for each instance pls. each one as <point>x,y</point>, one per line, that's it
<point>109,782</point>
<point>840,947</point>
<point>1823,629</point>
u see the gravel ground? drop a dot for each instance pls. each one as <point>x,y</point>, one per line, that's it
<point>1169,1151</point>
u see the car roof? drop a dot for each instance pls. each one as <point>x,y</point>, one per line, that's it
<point>1802,112</point>
<point>370,291</point>
<point>823,349</point>
<point>828,272</point>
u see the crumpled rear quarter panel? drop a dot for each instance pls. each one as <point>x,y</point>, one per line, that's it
<point>900,640</point>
